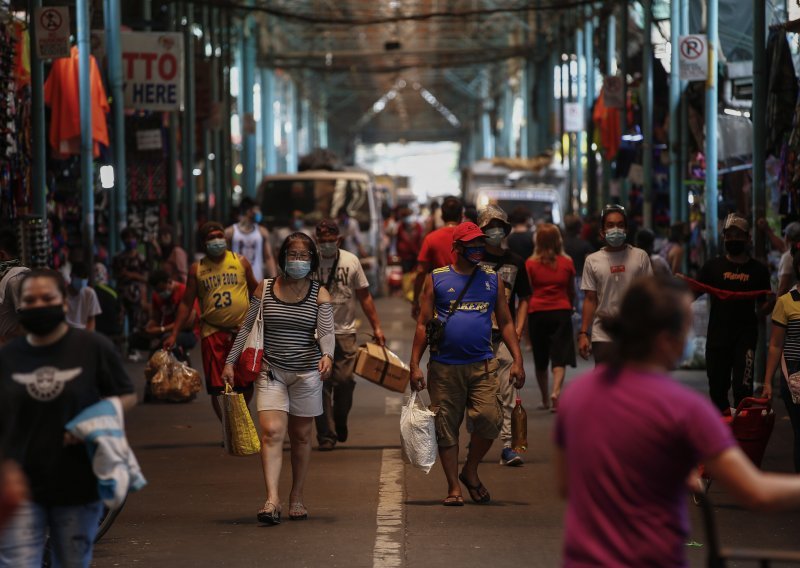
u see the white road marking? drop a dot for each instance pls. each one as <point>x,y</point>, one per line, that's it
<point>394,405</point>
<point>388,551</point>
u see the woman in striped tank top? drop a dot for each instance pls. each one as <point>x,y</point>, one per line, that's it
<point>298,353</point>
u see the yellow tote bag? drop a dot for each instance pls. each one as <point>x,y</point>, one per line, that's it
<point>238,430</point>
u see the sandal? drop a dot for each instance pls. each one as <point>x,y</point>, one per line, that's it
<point>297,512</point>
<point>270,514</point>
<point>453,501</point>
<point>478,493</point>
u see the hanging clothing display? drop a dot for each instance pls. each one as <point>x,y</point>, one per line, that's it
<point>607,120</point>
<point>61,93</point>
<point>781,91</point>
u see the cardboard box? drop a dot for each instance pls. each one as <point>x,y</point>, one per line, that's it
<point>382,367</point>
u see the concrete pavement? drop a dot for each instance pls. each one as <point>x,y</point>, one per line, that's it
<point>366,508</point>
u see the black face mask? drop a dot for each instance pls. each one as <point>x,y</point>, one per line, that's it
<point>735,248</point>
<point>41,321</point>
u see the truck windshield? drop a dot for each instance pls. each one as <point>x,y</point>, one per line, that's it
<point>314,200</point>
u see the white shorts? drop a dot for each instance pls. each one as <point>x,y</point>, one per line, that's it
<point>298,393</point>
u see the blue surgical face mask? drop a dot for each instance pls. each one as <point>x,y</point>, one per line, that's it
<point>79,283</point>
<point>216,247</point>
<point>297,269</point>
<point>297,224</point>
<point>258,218</point>
<point>474,255</point>
<point>494,237</point>
<point>615,237</point>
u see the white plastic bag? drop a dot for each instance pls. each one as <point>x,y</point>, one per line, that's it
<point>418,434</point>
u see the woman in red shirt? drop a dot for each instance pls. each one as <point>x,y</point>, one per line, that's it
<point>552,276</point>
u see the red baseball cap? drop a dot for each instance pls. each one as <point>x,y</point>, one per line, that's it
<point>466,232</point>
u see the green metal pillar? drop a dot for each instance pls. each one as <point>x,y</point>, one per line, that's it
<point>591,154</point>
<point>189,188</point>
<point>268,120</point>
<point>486,120</point>
<point>214,165</point>
<point>118,215</point>
<point>758,115</point>
<point>674,114</point>
<point>226,151</point>
<point>172,146</point>
<point>38,138</point>
<point>712,233</point>
<point>291,142</point>
<point>647,115</point>
<point>87,143</point>
<point>528,130</point>
<point>684,128</point>
<point>247,74</point>
<point>611,70</point>
<point>623,68</point>
<point>579,98</point>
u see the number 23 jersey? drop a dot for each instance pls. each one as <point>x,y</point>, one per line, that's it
<point>222,291</point>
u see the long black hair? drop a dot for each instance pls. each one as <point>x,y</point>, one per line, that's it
<point>310,245</point>
<point>651,306</point>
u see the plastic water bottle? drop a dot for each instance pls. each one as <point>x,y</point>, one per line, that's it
<point>519,427</point>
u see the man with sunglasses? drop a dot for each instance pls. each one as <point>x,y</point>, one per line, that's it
<point>607,274</point>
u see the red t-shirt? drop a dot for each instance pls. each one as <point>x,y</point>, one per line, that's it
<point>437,248</point>
<point>165,311</point>
<point>550,284</point>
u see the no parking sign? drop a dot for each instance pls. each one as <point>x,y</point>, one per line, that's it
<point>52,32</point>
<point>693,57</point>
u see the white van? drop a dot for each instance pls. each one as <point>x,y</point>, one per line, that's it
<point>308,197</point>
<point>544,203</point>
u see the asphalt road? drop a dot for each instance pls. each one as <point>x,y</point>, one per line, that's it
<point>366,508</point>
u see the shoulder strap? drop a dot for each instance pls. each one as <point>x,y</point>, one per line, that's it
<point>332,273</point>
<point>795,295</point>
<point>457,303</point>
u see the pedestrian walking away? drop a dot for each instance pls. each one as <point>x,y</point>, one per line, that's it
<point>733,318</point>
<point>552,276</point>
<point>437,248</point>
<point>46,379</point>
<point>130,271</point>
<point>510,269</point>
<point>341,274</point>
<point>299,348</point>
<point>457,304</point>
<point>251,240</point>
<point>623,510</point>
<point>784,354</point>
<point>221,283</point>
<point>607,273</point>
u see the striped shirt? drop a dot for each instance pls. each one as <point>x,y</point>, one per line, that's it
<point>290,329</point>
<point>786,314</point>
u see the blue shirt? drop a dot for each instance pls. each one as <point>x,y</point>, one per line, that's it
<point>468,332</point>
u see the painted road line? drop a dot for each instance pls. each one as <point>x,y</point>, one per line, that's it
<point>388,551</point>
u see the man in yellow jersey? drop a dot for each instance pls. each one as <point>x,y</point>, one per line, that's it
<point>222,282</point>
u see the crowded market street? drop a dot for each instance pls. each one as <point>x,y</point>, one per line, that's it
<point>366,508</point>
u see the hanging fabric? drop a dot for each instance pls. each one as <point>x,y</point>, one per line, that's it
<point>781,91</point>
<point>61,93</point>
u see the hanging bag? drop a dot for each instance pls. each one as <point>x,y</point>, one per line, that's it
<point>249,365</point>
<point>418,434</point>
<point>238,431</point>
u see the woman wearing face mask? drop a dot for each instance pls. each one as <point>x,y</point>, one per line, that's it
<point>221,283</point>
<point>624,509</point>
<point>173,258</point>
<point>82,302</point>
<point>552,276</point>
<point>46,379</point>
<point>299,345</point>
<point>607,273</point>
<point>130,271</point>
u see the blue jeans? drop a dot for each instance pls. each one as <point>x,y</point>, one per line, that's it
<point>72,530</point>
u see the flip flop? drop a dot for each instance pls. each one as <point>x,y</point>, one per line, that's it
<point>478,493</point>
<point>270,514</point>
<point>297,512</point>
<point>453,501</point>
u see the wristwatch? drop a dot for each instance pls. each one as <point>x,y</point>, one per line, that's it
<point>329,356</point>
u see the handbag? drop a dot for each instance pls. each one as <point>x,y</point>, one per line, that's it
<point>434,328</point>
<point>238,431</point>
<point>249,365</point>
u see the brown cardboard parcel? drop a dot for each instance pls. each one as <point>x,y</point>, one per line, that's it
<point>382,367</point>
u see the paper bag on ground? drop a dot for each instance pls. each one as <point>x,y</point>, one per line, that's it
<point>382,367</point>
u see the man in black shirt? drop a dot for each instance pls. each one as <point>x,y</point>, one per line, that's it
<point>510,267</point>
<point>520,241</point>
<point>733,323</point>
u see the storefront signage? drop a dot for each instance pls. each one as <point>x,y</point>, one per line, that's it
<point>573,117</point>
<point>153,70</point>
<point>612,92</point>
<point>52,32</point>
<point>148,140</point>
<point>693,58</point>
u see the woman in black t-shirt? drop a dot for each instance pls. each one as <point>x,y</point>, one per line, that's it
<point>47,378</point>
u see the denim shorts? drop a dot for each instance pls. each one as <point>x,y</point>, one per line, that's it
<point>72,530</point>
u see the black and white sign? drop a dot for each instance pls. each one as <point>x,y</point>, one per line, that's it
<point>52,32</point>
<point>612,92</point>
<point>693,58</point>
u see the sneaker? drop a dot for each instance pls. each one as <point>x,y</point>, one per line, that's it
<point>510,457</point>
<point>326,445</point>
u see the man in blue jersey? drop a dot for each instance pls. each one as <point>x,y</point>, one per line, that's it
<point>462,373</point>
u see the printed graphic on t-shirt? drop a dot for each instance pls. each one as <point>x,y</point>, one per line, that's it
<point>736,276</point>
<point>46,383</point>
<point>248,249</point>
<point>617,269</point>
